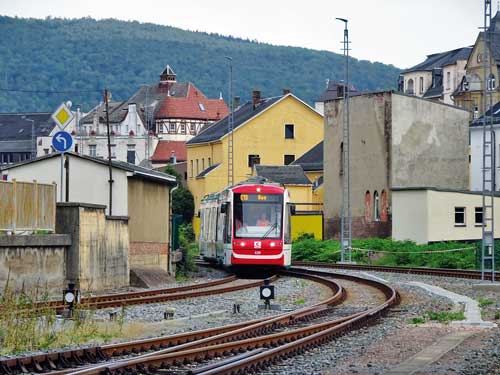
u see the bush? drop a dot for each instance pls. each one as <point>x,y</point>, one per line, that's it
<point>189,250</point>
<point>391,253</point>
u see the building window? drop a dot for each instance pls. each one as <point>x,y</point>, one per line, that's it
<point>288,159</point>
<point>192,127</point>
<point>421,85</point>
<point>253,160</point>
<point>203,164</point>
<point>113,151</point>
<point>131,154</point>
<point>376,206</point>
<point>197,167</point>
<point>460,216</point>
<point>183,127</point>
<point>209,162</point>
<point>289,131</point>
<point>448,80</point>
<point>202,107</point>
<point>341,168</point>
<point>368,207</point>
<point>93,150</point>
<point>491,82</point>
<point>409,87</point>
<point>172,127</point>
<point>478,216</point>
<point>46,151</point>
<point>191,169</point>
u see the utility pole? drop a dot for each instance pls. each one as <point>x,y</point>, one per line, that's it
<point>110,166</point>
<point>345,220</point>
<point>488,193</point>
<point>230,145</point>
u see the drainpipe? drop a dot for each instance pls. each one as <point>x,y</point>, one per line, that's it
<point>170,250</point>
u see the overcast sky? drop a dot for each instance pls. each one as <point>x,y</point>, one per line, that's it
<point>398,32</point>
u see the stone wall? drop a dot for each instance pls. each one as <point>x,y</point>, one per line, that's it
<point>360,228</point>
<point>98,258</point>
<point>34,261</point>
<point>149,225</point>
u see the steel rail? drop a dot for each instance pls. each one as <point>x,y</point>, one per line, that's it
<point>284,343</point>
<point>57,361</point>
<point>444,272</point>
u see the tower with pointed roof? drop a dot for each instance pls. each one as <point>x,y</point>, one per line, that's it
<point>168,75</point>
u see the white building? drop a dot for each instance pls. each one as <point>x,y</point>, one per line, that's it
<point>476,150</point>
<point>437,77</point>
<point>423,215</point>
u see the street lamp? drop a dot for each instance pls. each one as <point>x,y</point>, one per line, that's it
<point>33,138</point>
<point>230,146</point>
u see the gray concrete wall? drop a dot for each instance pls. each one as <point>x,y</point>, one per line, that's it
<point>395,141</point>
<point>149,225</point>
<point>99,256</point>
<point>429,144</point>
<point>370,117</point>
<point>34,261</point>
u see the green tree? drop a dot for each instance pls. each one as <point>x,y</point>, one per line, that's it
<point>182,199</point>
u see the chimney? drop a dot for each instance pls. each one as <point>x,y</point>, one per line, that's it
<point>236,102</point>
<point>132,112</point>
<point>286,91</point>
<point>173,158</point>
<point>255,98</point>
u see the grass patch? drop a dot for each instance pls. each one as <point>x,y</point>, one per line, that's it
<point>445,316</point>
<point>300,301</point>
<point>439,316</point>
<point>417,320</point>
<point>392,253</point>
<point>483,302</point>
<point>497,315</point>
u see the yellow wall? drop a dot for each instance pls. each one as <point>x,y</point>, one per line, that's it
<point>307,224</point>
<point>264,135</point>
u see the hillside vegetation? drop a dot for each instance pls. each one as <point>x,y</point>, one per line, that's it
<point>86,55</point>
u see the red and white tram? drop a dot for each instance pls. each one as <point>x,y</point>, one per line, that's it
<point>247,224</point>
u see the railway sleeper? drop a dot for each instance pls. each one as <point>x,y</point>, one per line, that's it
<point>4,369</point>
<point>36,366</point>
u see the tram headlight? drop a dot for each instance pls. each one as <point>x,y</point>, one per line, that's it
<point>272,244</point>
<point>242,243</point>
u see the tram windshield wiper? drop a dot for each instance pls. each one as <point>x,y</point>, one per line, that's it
<point>269,231</point>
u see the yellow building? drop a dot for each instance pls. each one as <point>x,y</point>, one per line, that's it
<point>312,165</point>
<point>271,131</point>
<point>469,94</point>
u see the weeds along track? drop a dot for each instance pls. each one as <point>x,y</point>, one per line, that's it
<point>444,272</point>
<point>243,347</point>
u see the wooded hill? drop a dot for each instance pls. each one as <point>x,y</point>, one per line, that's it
<point>85,56</point>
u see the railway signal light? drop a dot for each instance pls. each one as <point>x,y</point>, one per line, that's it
<point>71,296</point>
<point>267,294</point>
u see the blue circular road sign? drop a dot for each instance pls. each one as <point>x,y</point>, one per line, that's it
<point>62,141</point>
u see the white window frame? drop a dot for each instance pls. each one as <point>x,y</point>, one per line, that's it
<point>460,209</point>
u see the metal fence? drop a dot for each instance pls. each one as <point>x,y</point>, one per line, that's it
<point>27,206</point>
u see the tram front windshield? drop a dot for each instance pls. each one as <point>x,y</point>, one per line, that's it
<point>258,215</point>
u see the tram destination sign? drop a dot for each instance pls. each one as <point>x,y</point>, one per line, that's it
<point>258,197</point>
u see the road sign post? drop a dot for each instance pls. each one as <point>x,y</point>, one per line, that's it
<point>62,142</point>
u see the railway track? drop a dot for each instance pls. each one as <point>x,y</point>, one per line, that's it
<point>246,346</point>
<point>444,272</point>
<point>153,296</point>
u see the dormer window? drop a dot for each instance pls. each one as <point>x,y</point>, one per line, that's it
<point>202,107</point>
<point>491,82</point>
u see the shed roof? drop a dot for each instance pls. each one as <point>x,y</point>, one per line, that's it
<point>137,171</point>
<point>312,160</point>
<point>18,126</point>
<point>283,174</point>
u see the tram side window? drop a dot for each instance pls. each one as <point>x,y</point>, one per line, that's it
<point>227,226</point>
<point>287,227</point>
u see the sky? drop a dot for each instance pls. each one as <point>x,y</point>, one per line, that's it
<point>398,32</point>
